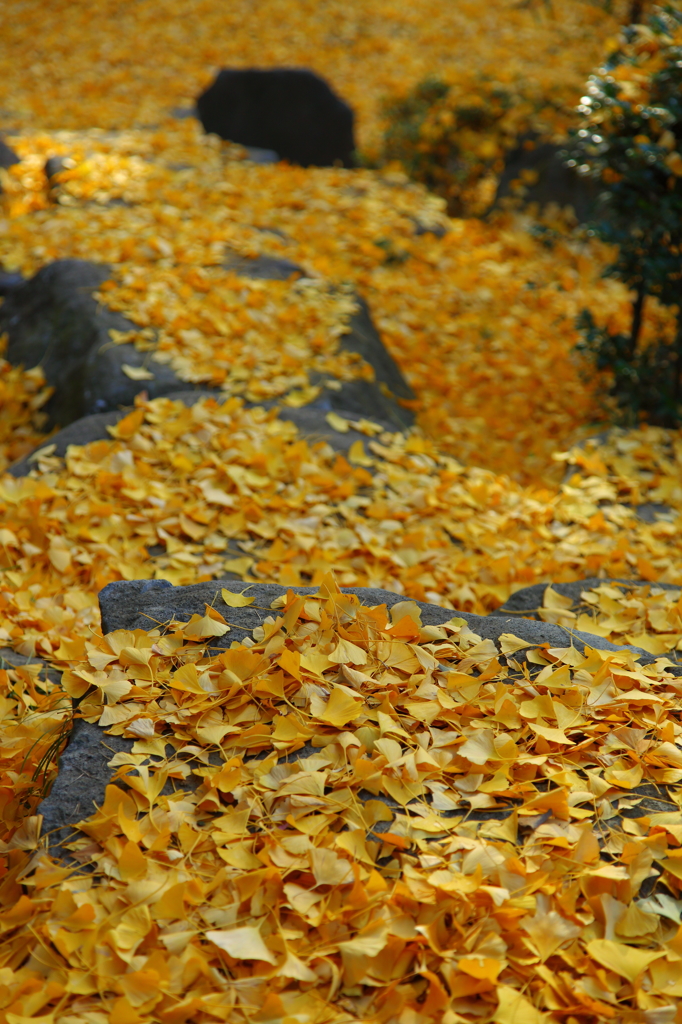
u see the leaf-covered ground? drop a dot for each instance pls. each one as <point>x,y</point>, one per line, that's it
<point>275,892</point>
<point>116,64</point>
<point>360,882</point>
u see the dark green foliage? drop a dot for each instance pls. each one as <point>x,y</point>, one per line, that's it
<point>644,382</point>
<point>630,140</point>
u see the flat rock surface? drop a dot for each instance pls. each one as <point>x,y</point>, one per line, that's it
<point>310,420</point>
<point>554,181</point>
<point>81,781</point>
<point>53,320</point>
<point>263,268</point>
<point>9,281</point>
<point>7,156</point>
<point>362,337</point>
<point>107,387</point>
<point>82,431</point>
<point>10,658</point>
<point>292,111</point>
<point>143,604</point>
<point>528,601</point>
<point>361,398</point>
<point>370,399</point>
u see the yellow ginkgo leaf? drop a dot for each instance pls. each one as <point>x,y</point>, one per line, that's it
<point>548,931</point>
<point>242,944</point>
<point>329,868</point>
<point>237,600</point>
<point>357,455</point>
<point>342,707</point>
<point>200,626</point>
<point>624,778</point>
<point>621,959</point>
<point>338,423</point>
<point>555,601</point>
<point>549,733</point>
<point>484,969</point>
<point>510,644</point>
<point>346,653</point>
<point>514,1008</point>
<point>137,372</point>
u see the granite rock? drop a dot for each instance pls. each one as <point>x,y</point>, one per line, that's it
<point>377,399</point>
<point>54,165</point>
<point>137,604</point>
<point>381,397</point>
<point>263,268</point>
<point>528,601</point>
<point>9,281</point>
<point>106,387</point>
<point>310,420</point>
<point>292,111</point>
<point>140,604</point>
<point>7,156</point>
<point>258,155</point>
<point>53,320</point>
<point>555,182</point>
<point>81,781</point>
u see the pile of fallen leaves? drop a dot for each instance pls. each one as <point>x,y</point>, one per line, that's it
<point>349,816</point>
<point>23,393</point>
<point>647,617</point>
<point>186,494</point>
<point>480,320</point>
<point>115,64</point>
<point>463,836</point>
<point>479,316</point>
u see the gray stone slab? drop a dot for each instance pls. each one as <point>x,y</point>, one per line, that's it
<point>312,425</point>
<point>55,165</point>
<point>183,113</point>
<point>83,767</point>
<point>363,338</point>
<point>91,428</point>
<point>7,156</point>
<point>362,398</point>
<point>106,387</point>
<point>555,182</point>
<point>80,783</point>
<point>83,431</point>
<point>258,155</point>
<point>529,600</point>
<point>262,268</point>
<point>53,321</point>
<point>356,397</point>
<point>647,511</point>
<point>653,511</point>
<point>9,281</point>
<point>143,604</point>
<point>292,111</point>
<point>10,658</point>
<point>378,399</point>
<point>310,420</point>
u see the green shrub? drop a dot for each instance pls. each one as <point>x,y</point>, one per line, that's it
<point>455,142</point>
<point>630,139</point>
